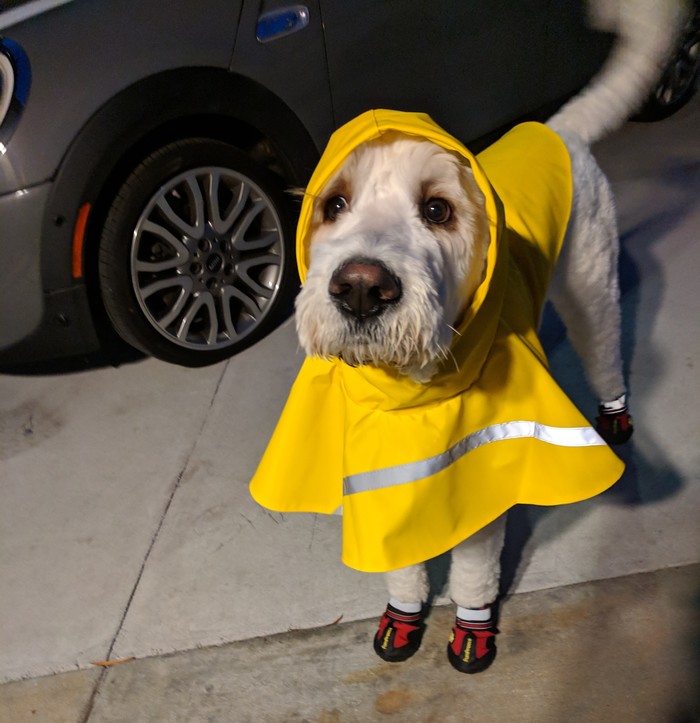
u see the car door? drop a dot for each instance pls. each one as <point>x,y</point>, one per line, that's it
<point>472,65</point>
<point>280,45</point>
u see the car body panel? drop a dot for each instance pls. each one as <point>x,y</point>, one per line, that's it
<point>20,255</point>
<point>474,66</point>
<point>103,47</point>
<point>293,67</point>
<point>444,42</point>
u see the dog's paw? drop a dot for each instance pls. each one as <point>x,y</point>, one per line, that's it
<point>399,635</point>
<point>614,427</point>
<point>471,650</point>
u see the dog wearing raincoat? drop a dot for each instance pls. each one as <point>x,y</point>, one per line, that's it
<point>425,408</point>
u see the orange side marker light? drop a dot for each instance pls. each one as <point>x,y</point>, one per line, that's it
<point>79,240</point>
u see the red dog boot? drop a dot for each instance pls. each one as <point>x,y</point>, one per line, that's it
<point>614,424</point>
<point>399,634</point>
<point>472,646</point>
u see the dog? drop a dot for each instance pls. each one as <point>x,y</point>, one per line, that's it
<point>424,274</point>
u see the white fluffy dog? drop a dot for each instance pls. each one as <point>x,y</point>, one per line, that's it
<point>398,249</point>
<point>399,246</point>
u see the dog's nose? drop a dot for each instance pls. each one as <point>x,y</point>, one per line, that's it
<point>364,288</point>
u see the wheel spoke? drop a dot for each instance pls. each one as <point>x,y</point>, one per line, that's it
<point>177,307</point>
<point>184,282</point>
<point>244,268</point>
<point>222,224</point>
<point>155,267</point>
<point>203,301</point>
<point>229,293</point>
<point>181,251</point>
<point>264,240</point>
<point>195,197</point>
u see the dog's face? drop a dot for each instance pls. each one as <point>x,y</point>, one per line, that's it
<point>398,246</point>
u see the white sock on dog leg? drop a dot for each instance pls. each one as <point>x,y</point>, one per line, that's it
<point>474,615</point>
<point>410,607</point>
<point>614,406</point>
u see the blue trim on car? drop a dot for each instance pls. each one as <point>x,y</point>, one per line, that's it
<point>20,63</point>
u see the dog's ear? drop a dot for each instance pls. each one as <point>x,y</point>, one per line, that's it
<point>469,183</point>
<point>465,164</point>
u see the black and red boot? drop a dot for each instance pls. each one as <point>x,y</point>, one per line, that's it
<point>472,645</point>
<point>613,422</point>
<point>399,634</point>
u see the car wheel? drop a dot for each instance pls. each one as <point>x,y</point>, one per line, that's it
<point>196,257</point>
<point>677,84</point>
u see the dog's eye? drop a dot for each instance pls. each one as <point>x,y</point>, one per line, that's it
<point>334,206</point>
<point>437,210</point>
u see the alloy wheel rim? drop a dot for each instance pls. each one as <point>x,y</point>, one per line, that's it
<point>207,258</point>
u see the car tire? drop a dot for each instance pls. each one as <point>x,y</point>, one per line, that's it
<point>196,256</point>
<point>678,82</point>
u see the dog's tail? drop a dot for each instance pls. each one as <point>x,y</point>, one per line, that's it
<point>646,32</point>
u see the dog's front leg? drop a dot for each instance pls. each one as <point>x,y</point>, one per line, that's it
<point>401,627</point>
<point>408,586</point>
<point>476,569</point>
<point>474,578</point>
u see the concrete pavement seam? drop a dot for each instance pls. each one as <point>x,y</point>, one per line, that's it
<point>101,678</point>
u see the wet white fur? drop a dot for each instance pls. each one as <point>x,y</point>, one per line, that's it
<point>438,269</point>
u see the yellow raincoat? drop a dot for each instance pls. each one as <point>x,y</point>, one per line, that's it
<point>417,468</point>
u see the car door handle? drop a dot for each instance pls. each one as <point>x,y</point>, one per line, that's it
<point>279,23</point>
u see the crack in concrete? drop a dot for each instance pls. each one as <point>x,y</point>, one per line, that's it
<point>151,546</point>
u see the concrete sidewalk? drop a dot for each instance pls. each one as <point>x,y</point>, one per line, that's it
<point>613,651</point>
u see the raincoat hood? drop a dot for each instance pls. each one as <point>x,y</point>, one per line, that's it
<point>417,468</point>
<point>383,386</point>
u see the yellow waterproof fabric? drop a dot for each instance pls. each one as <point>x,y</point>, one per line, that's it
<point>417,468</point>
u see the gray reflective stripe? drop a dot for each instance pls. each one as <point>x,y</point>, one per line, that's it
<point>413,471</point>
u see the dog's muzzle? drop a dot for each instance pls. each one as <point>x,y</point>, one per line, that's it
<point>364,288</point>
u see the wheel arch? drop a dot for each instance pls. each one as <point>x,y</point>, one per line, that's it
<point>204,102</point>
